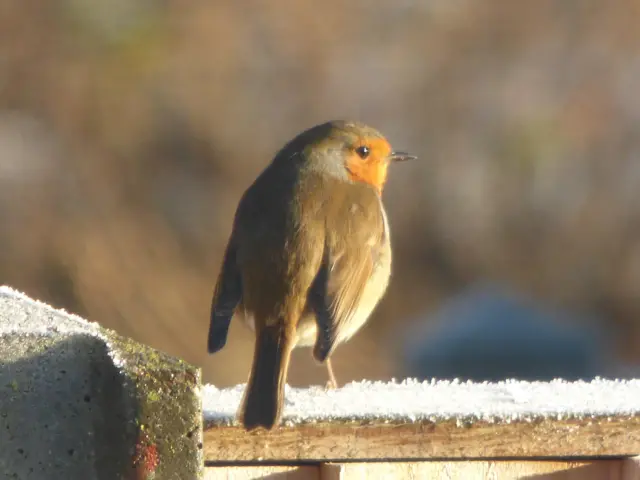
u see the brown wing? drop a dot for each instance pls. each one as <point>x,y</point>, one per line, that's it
<point>354,236</point>
<point>226,297</point>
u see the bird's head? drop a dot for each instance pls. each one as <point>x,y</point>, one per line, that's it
<point>348,150</point>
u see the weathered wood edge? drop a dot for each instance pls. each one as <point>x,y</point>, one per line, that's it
<point>450,439</point>
<point>601,469</point>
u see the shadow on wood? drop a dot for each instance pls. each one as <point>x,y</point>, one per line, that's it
<point>270,472</point>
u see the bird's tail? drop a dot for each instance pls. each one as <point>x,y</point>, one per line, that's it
<point>264,395</point>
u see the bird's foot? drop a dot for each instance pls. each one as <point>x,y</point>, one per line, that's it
<point>331,385</point>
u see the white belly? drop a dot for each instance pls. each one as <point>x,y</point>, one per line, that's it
<point>373,291</point>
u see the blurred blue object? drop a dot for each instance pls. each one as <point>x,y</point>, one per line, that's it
<point>489,333</point>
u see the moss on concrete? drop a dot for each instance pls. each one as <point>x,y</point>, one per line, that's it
<point>169,416</point>
<point>122,409</point>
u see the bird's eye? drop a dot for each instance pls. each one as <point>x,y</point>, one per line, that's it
<point>363,151</point>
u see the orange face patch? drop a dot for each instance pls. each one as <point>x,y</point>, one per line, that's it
<point>373,168</point>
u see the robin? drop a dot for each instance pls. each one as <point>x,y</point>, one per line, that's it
<point>308,257</point>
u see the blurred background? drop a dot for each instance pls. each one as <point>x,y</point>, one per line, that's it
<point>129,130</point>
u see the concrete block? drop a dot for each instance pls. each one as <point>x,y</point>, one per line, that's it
<point>78,401</point>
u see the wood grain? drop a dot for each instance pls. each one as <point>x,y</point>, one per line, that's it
<point>630,469</point>
<point>611,469</point>
<point>277,472</point>
<point>502,470</point>
<point>575,438</point>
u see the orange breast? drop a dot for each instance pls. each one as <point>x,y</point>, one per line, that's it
<point>373,172</point>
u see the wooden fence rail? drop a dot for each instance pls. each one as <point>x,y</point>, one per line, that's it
<point>444,430</point>
<point>79,401</point>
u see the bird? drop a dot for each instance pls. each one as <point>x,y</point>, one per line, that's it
<point>308,257</point>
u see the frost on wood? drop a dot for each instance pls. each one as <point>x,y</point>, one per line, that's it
<point>435,401</point>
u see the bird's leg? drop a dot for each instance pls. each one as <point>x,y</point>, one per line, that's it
<point>332,383</point>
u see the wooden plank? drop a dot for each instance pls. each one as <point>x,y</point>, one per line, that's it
<point>461,470</point>
<point>614,469</point>
<point>588,437</point>
<point>311,472</point>
<point>630,469</point>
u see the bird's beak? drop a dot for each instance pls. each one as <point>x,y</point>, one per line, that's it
<point>401,156</point>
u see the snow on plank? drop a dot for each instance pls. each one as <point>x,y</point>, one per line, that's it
<point>413,420</point>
